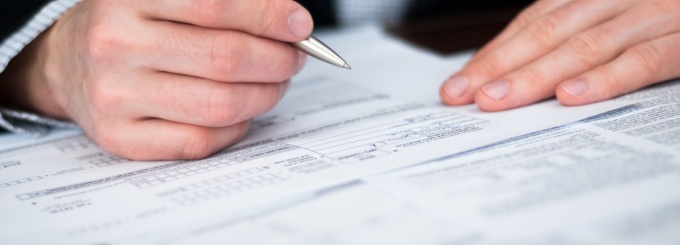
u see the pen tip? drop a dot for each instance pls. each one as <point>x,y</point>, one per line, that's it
<point>346,66</point>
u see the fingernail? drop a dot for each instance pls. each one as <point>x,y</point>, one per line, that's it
<point>497,90</point>
<point>300,23</point>
<point>456,86</point>
<point>575,87</point>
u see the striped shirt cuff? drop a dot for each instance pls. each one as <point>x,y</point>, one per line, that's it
<point>17,121</point>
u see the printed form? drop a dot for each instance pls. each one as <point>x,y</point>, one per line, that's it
<point>333,130</point>
<point>608,179</point>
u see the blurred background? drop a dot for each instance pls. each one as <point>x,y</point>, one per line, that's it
<point>444,26</point>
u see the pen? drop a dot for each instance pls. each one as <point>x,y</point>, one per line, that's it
<point>317,49</point>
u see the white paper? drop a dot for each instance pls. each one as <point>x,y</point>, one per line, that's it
<point>333,128</point>
<point>610,179</point>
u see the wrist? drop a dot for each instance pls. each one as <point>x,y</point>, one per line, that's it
<point>23,84</point>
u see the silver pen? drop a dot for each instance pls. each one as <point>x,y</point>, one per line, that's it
<point>317,49</point>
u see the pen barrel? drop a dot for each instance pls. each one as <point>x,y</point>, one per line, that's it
<point>319,50</point>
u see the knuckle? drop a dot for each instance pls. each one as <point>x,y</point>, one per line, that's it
<point>531,76</point>
<point>196,144</point>
<point>101,41</point>
<point>227,51</point>
<point>586,47</point>
<point>488,65</point>
<point>536,79</point>
<point>648,58</point>
<point>267,21</point>
<point>542,31</point>
<point>611,79</point>
<point>113,143</point>
<point>220,111</point>
<point>526,17</point>
<point>104,96</point>
<point>209,12</point>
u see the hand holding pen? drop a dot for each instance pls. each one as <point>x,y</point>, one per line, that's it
<point>160,80</point>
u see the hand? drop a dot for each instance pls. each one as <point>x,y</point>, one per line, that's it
<point>164,79</point>
<point>581,51</point>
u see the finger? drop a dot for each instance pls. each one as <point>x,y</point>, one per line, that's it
<point>595,47</point>
<point>283,20</point>
<point>163,140</point>
<point>537,39</point>
<point>218,55</point>
<point>638,67</point>
<point>191,100</point>
<point>527,16</point>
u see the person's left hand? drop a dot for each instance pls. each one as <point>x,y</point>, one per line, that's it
<point>581,51</point>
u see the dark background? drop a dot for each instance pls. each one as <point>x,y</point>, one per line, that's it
<point>445,26</point>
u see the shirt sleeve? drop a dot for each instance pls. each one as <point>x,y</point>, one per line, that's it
<point>18,121</point>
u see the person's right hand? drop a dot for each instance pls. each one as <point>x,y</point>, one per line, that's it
<point>164,79</point>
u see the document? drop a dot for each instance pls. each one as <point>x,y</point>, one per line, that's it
<point>608,179</point>
<point>334,129</point>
